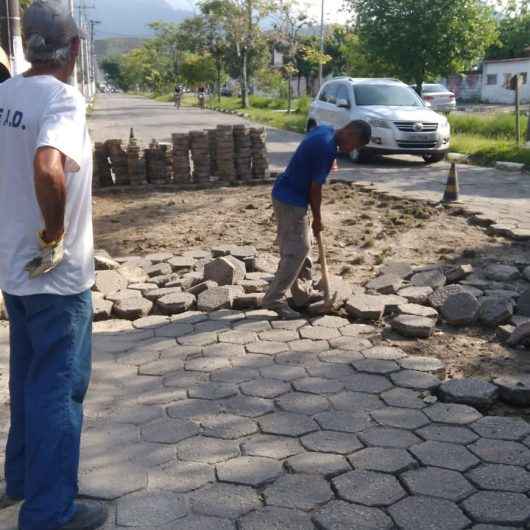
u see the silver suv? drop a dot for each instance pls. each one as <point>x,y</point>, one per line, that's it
<point>401,122</point>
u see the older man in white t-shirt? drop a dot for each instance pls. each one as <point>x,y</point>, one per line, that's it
<point>46,272</point>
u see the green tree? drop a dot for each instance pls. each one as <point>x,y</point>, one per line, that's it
<point>425,38</point>
<point>199,69</point>
<point>514,38</point>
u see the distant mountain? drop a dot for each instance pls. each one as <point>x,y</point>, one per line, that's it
<point>116,46</point>
<point>129,18</point>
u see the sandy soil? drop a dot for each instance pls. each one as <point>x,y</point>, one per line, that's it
<point>362,232</point>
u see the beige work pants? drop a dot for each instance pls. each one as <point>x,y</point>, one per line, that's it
<point>294,269</point>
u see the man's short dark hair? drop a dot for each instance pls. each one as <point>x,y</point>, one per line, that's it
<point>361,129</point>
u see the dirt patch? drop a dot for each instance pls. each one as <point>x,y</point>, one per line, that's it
<point>363,231</point>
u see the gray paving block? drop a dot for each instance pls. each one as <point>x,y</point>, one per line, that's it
<point>386,460</point>
<point>267,347</point>
<point>238,337</point>
<point>287,424</point>
<point>376,366</point>
<point>184,379</point>
<point>280,335</point>
<point>213,391</point>
<point>207,364</point>
<point>356,402</point>
<point>249,471</point>
<point>356,330</point>
<point>329,321</point>
<point>199,522</point>
<point>344,421</point>
<point>340,356</point>
<point>307,345</point>
<point>415,380</point>
<point>368,488</point>
<point>500,477</point>
<point>400,418</point>
<point>302,403</point>
<point>250,407</point>
<point>413,326</point>
<point>283,372</point>
<point>384,353</point>
<point>225,500</point>
<point>502,428</point>
<point>192,408</point>
<point>423,364</point>
<point>318,385</point>
<point>338,515</point>
<point>303,492</point>
<point>372,384</point>
<point>202,338</point>
<point>414,513</point>
<point>108,483</point>
<point>207,450</point>
<point>224,350</point>
<point>498,507</point>
<point>269,446</point>
<point>347,343</point>
<point>334,372</point>
<point>318,333</point>
<point>452,414</point>
<point>445,455</point>
<point>447,433</point>
<point>332,442</point>
<point>265,388</point>
<point>181,477</point>
<point>388,437</point>
<point>403,398</point>
<point>469,391</point>
<point>227,426</point>
<point>169,431</point>
<point>273,518</point>
<point>234,375</point>
<point>162,367</point>
<point>326,464</point>
<point>150,509</point>
<point>436,482</point>
<point>501,452</point>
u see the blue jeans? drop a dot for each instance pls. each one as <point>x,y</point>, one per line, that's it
<point>50,366</point>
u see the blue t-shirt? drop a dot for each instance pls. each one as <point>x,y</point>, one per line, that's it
<point>312,162</point>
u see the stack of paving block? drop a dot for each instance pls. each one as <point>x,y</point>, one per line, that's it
<point>135,162</point>
<point>260,161</point>
<point>181,157</point>
<point>119,163</point>
<point>243,152</point>
<point>102,174</point>
<point>200,153</point>
<point>212,143</point>
<point>158,162</point>
<point>226,169</point>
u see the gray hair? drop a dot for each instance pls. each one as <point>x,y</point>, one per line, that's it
<point>38,51</point>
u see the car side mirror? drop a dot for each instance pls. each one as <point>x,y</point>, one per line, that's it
<point>343,104</point>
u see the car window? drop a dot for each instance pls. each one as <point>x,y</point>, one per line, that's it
<point>386,95</point>
<point>429,89</point>
<point>343,93</point>
<point>331,93</point>
<point>323,93</point>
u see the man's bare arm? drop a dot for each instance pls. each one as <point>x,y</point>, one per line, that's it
<point>315,200</point>
<point>50,187</point>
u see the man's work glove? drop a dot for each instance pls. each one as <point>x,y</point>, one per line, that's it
<point>51,255</point>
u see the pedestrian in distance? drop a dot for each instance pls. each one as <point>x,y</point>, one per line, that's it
<point>178,96</point>
<point>46,273</point>
<point>295,190</point>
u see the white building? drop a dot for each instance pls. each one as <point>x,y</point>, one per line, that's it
<point>497,73</point>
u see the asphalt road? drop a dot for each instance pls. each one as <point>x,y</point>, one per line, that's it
<point>503,197</point>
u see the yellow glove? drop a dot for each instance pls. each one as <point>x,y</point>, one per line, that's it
<point>51,255</point>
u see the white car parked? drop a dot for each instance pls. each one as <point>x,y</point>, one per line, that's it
<point>401,122</point>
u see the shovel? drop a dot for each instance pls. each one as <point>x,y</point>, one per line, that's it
<point>326,306</point>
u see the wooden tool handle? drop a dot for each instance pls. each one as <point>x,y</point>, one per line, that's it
<point>324,266</point>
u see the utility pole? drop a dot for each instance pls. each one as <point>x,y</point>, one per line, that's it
<point>11,34</point>
<point>320,65</point>
<point>93,65</point>
<point>73,79</point>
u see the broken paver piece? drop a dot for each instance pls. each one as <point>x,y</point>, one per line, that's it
<point>385,284</point>
<point>502,273</point>
<point>174,304</point>
<point>366,307</point>
<point>215,298</point>
<point>412,326</point>
<point>108,282</point>
<point>225,271</point>
<point>495,311</point>
<point>469,391</point>
<point>440,296</point>
<point>418,311</point>
<point>434,278</point>
<point>460,309</point>
<point>514,389</point>
<point>416,295</point>
<point>520,334</point>
<point>132,308</point>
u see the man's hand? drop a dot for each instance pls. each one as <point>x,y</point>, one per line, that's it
<point>317,226</point>
<point>50,257</point>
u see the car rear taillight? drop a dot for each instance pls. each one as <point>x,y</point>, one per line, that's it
<point>427,98</point>
<point>452,98</point>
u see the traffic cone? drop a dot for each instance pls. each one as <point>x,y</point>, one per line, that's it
<point>452,190</point>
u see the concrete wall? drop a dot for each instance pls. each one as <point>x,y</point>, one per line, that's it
<point>496,93</point>
<point>466,87</point>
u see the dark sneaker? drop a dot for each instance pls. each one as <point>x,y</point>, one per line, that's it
<point>7,502</point>
<point>87,517</point>
<point>284,311</point>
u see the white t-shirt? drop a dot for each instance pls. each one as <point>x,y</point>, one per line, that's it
<point>37,112</point>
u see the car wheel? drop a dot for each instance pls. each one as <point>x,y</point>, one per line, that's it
<point>358,156</point>
<point>433,158</point>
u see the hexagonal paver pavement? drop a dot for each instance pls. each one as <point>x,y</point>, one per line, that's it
<point>448,456</point>
<point>384,459</point>
<point>452,414</point>
<point>287,424</point>
<point>447,433</point>
<point>302,403</point>
<point>498,507</point>
<point>414,513</point>
<point>326,464</point>
<point>303,492</point>
<point>501,452</point>
<point>272,518</point>
<point>269,446</point>
<point>332,442</point>
<point>169,431</point>
<point>249,471</point>
<point>501,478</point>
<point>368,488</point>
<point>225,500</point>
<point>388,437</point>
<point>344,421</point>
<point>208,450</point>
<point>340,515</point>
<point>436,482</point>
<point>265,388</point>
<point>181,477</point>
<point>108,483</point>
<point>400,418</point>
<point>502,428</point>
<point>227,426</point>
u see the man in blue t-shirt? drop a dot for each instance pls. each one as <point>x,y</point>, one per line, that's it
<point>296,189</point>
